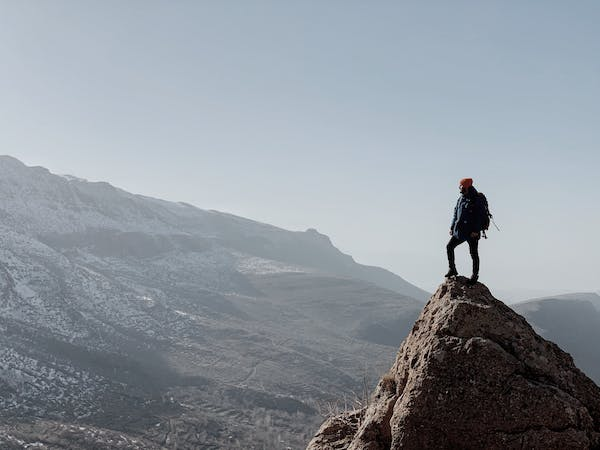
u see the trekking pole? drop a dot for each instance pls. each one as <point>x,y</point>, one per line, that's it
<point>492,219</point>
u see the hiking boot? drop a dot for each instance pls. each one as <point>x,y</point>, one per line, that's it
<point>451,273</point>
<point>471,281</point>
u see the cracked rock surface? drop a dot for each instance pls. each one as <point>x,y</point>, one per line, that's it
<point>473,374</point>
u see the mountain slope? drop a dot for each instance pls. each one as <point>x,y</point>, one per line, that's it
<point>573,322</point>
<point>68,210</point>
<point>166,323</point>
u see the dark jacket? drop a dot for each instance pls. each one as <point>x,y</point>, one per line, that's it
<point>468,215</point>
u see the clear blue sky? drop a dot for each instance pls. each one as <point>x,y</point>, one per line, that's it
<point>356,118</point>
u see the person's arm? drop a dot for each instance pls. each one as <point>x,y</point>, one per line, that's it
<point>454,217</point>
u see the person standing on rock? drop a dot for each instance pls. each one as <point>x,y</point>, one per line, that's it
<point>467,223</point>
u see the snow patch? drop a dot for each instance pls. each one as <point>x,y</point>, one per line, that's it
<point>25,291</point>
<point>255,265</point>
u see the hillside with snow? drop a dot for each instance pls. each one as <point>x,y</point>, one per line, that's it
<point>127,317</point>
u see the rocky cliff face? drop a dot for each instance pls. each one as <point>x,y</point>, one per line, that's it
<point>473,374</point>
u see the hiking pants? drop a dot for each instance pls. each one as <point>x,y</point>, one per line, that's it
<point>473,244</point>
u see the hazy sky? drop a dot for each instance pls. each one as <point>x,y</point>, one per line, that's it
<point>357,118</point>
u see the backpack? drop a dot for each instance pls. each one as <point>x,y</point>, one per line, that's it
<point>485,212</point>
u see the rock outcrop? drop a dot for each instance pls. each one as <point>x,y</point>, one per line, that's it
<point>473,374</point>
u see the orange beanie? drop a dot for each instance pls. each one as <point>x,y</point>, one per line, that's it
<point>466,182</point>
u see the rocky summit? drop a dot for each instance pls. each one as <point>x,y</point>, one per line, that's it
<point>472,374</point>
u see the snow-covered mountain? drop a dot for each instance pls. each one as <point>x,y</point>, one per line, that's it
<point>68,211</point>
<point>158,322</point>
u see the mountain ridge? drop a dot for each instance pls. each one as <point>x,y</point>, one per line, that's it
<point>85,205</point>
<point>589,296</point>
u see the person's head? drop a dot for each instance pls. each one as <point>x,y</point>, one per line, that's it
<point>465,184</point>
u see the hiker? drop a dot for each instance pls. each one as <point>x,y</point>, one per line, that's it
<point>467,223</point>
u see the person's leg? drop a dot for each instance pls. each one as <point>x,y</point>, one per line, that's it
<point>452,243</point>
<point>474,250</point>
